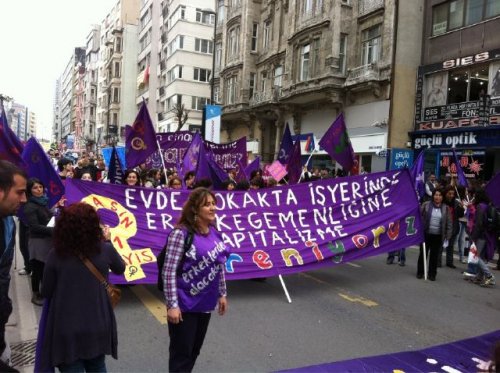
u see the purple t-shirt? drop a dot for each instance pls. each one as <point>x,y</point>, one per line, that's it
<point>198,280</point>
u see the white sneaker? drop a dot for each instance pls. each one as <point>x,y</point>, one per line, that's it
<point>23,272</point>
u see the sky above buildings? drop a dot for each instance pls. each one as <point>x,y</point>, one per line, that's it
<point>38,39</point>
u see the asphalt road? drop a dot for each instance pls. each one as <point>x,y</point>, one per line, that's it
<point>348,311</point>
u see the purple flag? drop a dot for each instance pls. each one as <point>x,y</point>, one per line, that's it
<point>190,160</point>
<point>493,190</point>
<point>253,166</point>
<point>39,166</point>
<point>459,356</point>
<point>285,146</point>
<point>294,166</point>
<point>268,233</point>
<point>240,171</point>
<point>11,147</point>
<point>337,144</point>
<point>115,173</point>
<point>207,168</point>
<point>140,141</point>
<point>417,175</point>
<point>462,180</point>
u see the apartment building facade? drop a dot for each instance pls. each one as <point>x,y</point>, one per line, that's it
<point>117,71</point>
<point>302,62</point>
<point>457,102</point>
<point>185,62</point>
<point>89,132</point>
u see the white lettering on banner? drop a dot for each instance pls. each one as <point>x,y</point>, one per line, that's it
<point>451,141</point>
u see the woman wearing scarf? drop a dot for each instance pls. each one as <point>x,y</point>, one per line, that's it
<point>37,216</point>
<point>438,229</point>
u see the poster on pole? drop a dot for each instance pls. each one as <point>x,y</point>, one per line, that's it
<point>212,123</point>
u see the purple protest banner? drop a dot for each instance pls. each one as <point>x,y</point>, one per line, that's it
<point>337,144</point>
<point>460,356</point>
<point>272,231</point>
<point>493,190</point>
<point>10,146</point>
<point>462,180</point>
<point>175,144</point>
<point>140,141</point>
<point>417,174</point>
<point>39,166</point>
<point>286,146</point>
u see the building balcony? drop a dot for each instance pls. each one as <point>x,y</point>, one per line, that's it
<point>267,96</point>
<point>369,6</point>
<point>362,74</point>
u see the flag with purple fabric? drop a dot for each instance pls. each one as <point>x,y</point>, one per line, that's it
<point>285,146</point>
<point>115,173</point>
<point>240,171</point>
<point>190,160</point>
<point>11,147</point>
<point>294,166</point>
<point>462,180</point>
<point>207,168</point>
<point>417,175</point>
<point>140,141</point>
<point>337,144</point>
<point>39,166</point>
<point>493,190</point>
<point>251,167</point>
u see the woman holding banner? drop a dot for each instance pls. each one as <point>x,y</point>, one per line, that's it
<point>193,276</point>
<point>438,229</point>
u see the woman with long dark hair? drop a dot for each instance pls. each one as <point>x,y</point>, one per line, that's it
<point>194,282</point>
<point>37,215</point>
<point>437,228</point>
<point>80,326</point>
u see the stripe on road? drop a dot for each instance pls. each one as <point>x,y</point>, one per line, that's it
<point>353,265</point>
<point>357,299</point>
<point>152,303</point>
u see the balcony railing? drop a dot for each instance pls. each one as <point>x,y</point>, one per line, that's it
<point>362,74</point>
<point>269,95</point>
<point>368,6</point>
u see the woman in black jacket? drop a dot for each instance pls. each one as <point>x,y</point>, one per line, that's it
<point>37,215</point>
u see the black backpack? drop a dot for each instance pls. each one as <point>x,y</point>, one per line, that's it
<point>160,259</point>
<point>492,219</point>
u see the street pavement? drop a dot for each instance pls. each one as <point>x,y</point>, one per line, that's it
<point>343,312</point>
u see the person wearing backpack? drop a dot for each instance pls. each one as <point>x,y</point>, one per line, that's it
<point>193,279</point>
<point>483,238</point>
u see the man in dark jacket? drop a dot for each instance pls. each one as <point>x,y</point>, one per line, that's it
<point>12,194</point>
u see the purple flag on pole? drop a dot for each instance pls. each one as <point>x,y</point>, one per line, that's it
<point>140,141</point>
<point>39,166</point>
<point>417,175</point>
<point>115,173</point>
<point>294,166</point>
<point>253,166</point>
<point>462,180</point>
<point>337,144</point>
<point>190,160</point>
<point>493,190</point>
<point>285,146</point>
<point>10,146</point>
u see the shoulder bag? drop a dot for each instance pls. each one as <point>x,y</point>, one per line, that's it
<point>114,293</point>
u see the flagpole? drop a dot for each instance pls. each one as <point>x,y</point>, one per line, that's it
<point>308,160</point>
<point>285,289</point>
<point>425,260</point>
<point>162,160</point>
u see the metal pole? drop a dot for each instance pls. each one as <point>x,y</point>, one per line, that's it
<point>213,62</point>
